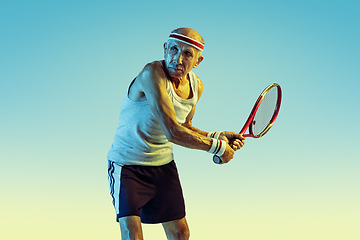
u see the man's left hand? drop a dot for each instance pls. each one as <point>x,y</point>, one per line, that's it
<point>235,140</point>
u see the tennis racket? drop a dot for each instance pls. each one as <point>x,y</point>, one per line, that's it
<point>263,114</point>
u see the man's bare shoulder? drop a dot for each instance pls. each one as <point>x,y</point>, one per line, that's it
<point>150,75</point>
<point>153,70</point>
<point>199,81</point>
<point>151,79</point>
<point>200,86</point>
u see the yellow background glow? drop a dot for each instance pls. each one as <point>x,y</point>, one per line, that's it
<point>65,66</point>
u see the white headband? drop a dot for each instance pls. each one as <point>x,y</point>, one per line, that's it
<point>182,38</point>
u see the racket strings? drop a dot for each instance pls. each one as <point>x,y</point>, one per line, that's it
<point>265,112</point>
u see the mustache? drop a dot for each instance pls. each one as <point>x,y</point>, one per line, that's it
<point>175,65</point>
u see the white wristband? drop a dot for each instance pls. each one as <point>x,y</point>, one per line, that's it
<point>217,147</point>
<point>214,135</point>
<point>222,148</point>
<point>214,146</point>
<point>217,134</point>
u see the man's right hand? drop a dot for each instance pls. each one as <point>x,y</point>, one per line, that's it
<point>227,155</point>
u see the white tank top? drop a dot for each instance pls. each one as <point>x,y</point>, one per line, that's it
<point>139,138</point>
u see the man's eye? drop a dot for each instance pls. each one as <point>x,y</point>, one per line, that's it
<point>174,49</point>
<point>188,54</point>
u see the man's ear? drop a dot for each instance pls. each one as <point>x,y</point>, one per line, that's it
<point>165,48</point>
<point>199,61</point>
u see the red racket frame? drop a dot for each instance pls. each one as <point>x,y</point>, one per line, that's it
<point>248,123</point>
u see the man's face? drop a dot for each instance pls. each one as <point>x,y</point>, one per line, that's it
<point>180,58</point>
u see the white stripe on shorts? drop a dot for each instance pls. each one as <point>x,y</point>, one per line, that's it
<point>114,174</point>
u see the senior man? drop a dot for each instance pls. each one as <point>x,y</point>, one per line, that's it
<point>157,112</point>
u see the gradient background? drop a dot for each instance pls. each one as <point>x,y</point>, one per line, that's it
<point>65,66</point>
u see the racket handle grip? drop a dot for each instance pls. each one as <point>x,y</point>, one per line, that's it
<point>217,159</point>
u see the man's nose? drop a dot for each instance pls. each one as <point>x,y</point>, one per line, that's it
<point>178,58</point>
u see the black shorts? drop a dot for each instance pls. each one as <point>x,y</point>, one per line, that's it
<point>152,193</point>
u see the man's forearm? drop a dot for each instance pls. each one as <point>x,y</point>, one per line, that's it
<point>190,137</point>
<point>194,129</point>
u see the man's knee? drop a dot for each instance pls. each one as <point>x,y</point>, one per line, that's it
<point>177,230</point>
<point>130,228</point>
<point>182,234</point>
<point>179,234</point>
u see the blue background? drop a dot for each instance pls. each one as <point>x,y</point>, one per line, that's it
<point>65,66</point>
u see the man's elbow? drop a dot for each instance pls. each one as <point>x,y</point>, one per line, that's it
<point>173,134</point>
